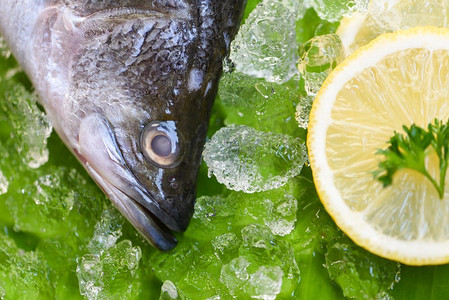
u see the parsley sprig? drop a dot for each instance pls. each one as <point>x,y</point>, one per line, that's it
<point>410,151</point>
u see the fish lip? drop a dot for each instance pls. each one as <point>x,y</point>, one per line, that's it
<point>161,237</point>
<point>166,240</point>
<point>144,199</point>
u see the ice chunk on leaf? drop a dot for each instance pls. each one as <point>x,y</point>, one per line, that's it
<point>314,226</point>
<point>58,202</point>
<point>237,89</point>
<point>265,283</point>
<point>43,193</point>
<point>226,246</point>
<point>384,16</point>
<point>396,15</point>
<point>277,209</point>
<point>107,230</point>
<point>231,251</point>
<point>262,265</point>
<point>303,111</point>
<point>360,274</point>
<point>45,205</point>
<point>111,268</point>
<point>262,248</point>
<point>332,10</point>
<point>23,274</point>
<point>169,291</point>
<point>265,45</point>
<point>320,55</point>
<point>259,104</point>
<point>282,219</point>
<point>110,274</point>
<point>30,126</point>
<point>248,160</point>
<point>3,183</point>
<point>235,274</point>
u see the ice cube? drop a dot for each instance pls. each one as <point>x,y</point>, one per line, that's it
<point>333,11</point>
<point>3,184</point>
<point>320,55</point>
<point>112,273</point>
<point>175,265</point>
<point>169,291</point>
<point>259,104</point>
<point>226,246</point>
<point>277,209</point>
<point>297,7</point>
<point>313,227</point>
<point>89,271</point>
<point>234,274</point>
<point>203,277</point>
<point>262,248</point>
<point>107,230</point>
<point>57,202</point>
<point>303,110</point>
<point>261,267</point>
<point>265,45</point>
<point>212,216</point>
<point>396,15</point>
<point>387,16</point>
<point>45,186</point>
<point>248,160</point>
<point>360,274</point>
<point>23,274</point>
<point>46,204</point>
<point>282,217</point>
<point>30,126</point>
<point>265,283</point>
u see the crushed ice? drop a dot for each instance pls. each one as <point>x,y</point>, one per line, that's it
<point>265,45</point>
<point>3,184</point>
<point>320,56</point>
<point>107,230</point>
<point>248,160</point>
<point>101,271</point>
<point>30,126</point>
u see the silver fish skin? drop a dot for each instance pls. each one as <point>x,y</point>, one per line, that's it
<point>129,86</point>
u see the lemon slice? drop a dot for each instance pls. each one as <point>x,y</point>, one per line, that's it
<point>398,79</point>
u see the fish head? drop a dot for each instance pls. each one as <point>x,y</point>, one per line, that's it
<point>129,86</point>
<point>144,83</point>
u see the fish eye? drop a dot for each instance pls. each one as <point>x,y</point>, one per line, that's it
<point>161,144</point>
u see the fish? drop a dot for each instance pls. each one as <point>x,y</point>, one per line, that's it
<point>129,85</point>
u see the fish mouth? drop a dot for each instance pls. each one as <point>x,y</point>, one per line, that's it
<point>154,224</point>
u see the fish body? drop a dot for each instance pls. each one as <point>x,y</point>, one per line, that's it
<point>128,86</point>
